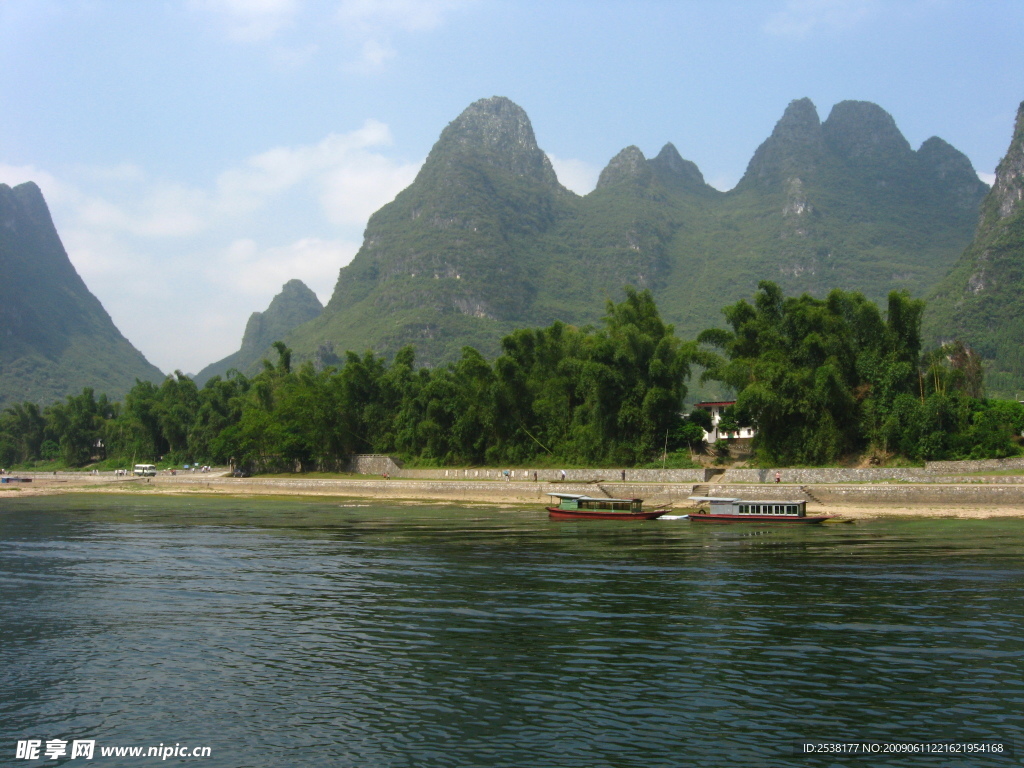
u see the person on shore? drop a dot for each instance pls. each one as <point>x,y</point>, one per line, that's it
<point>506,475</point>
<point>535,475</point>
<point>623,475</point>
<point>778,477</point>
<point>563,475</point>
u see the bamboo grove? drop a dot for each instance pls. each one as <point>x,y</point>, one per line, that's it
<point>819,379</point>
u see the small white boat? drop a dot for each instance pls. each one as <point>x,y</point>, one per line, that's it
<point>730,510</point>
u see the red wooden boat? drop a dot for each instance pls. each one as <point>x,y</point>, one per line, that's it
<point>770,511</point>
<point>577,507</point>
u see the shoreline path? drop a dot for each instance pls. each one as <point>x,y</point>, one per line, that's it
<point>980,497</point>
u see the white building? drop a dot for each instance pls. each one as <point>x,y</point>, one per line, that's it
<point>716,416</point>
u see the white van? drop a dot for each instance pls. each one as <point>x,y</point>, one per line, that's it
<point>145,470</point>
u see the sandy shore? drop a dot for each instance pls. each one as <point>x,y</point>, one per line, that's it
<point>489,492</point>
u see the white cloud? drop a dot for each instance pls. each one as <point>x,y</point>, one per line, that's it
<point>53,190</point>
<point>988,178</point>
<point>373,55</point>
<point>371,25</point>
<point>369,28</point>
<point>352,191</point>
<point>722,182</point>
<point>260,272</point>
<point>171,261</point>
<point>377,16</point>
<point>577,175</point>
<point>351,181</point>
<point>345,172</point>
<point>251,21</point>
<point>801,18</point>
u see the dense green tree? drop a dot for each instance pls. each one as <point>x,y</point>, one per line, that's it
<point>818,378</point>
<point>822,378</point>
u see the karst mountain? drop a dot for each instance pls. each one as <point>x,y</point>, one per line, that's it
<point>981,301</point>
<point>55,336</point>
<point>486,239</point>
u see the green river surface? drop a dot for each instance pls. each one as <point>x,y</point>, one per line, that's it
<point>298,632</point>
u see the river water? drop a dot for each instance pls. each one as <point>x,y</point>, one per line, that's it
<point>298,632</point>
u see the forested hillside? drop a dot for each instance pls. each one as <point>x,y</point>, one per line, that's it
<point>486,239</point>
<point>55,336</point>
<point>821,379</point>
<point>982,300</point>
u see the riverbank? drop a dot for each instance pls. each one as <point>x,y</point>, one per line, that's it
<point>855,501</point>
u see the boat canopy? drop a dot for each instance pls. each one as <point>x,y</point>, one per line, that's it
<point>579,497</point>
<point>731,500</point>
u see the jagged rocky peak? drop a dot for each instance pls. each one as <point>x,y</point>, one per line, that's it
<point>21,204</point>
<point>795,145</point>
<point>1008,189</point>
<point>500,131</point>
<point>629,165</point>
<point>293,306</point>
<point>952,170</point>
<point>800,121</point>
<point>861,130</point>
<point>670,166</point>
<point>24,213</point>
<point>946,161</point>
<point>295,292</point>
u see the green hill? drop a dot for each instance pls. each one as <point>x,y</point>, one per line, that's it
<point>982,299</point>
<point>55,336</point>
<point>294,305</point>
<point>486,240</point>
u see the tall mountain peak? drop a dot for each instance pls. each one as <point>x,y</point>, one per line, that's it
<point>55,336</point>
<point>670,167</point>
<point>862,130</point>
<point>982,298</point>
<point>795,146</point>
<point>1008,189</point>
<point>952,171</point>
<point>481,244</point>
<point>629,165</point>
<point>293,306</point>
<point>498,130</point>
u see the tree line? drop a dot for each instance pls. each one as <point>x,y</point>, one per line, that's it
<point>818,379</point>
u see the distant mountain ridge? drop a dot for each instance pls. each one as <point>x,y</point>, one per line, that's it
<point>294,305</point>
<point>982,299</point>
<point>486,240</point>
<point>55,336</point>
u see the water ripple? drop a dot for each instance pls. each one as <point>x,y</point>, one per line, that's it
<point>295,633</point>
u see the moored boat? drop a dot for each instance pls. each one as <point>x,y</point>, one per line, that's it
<point>731,510</point>
<point>573,506</point>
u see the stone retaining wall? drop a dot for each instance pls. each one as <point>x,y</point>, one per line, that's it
<point>522,474</point>
<point>374,464</point>
<point>826,475</point>
<point>960,467</point>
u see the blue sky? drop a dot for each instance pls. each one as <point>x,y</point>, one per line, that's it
<point>196,154</point>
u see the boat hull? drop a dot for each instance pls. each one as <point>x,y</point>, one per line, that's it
<point>758,519</point>
<point>584,514</point>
